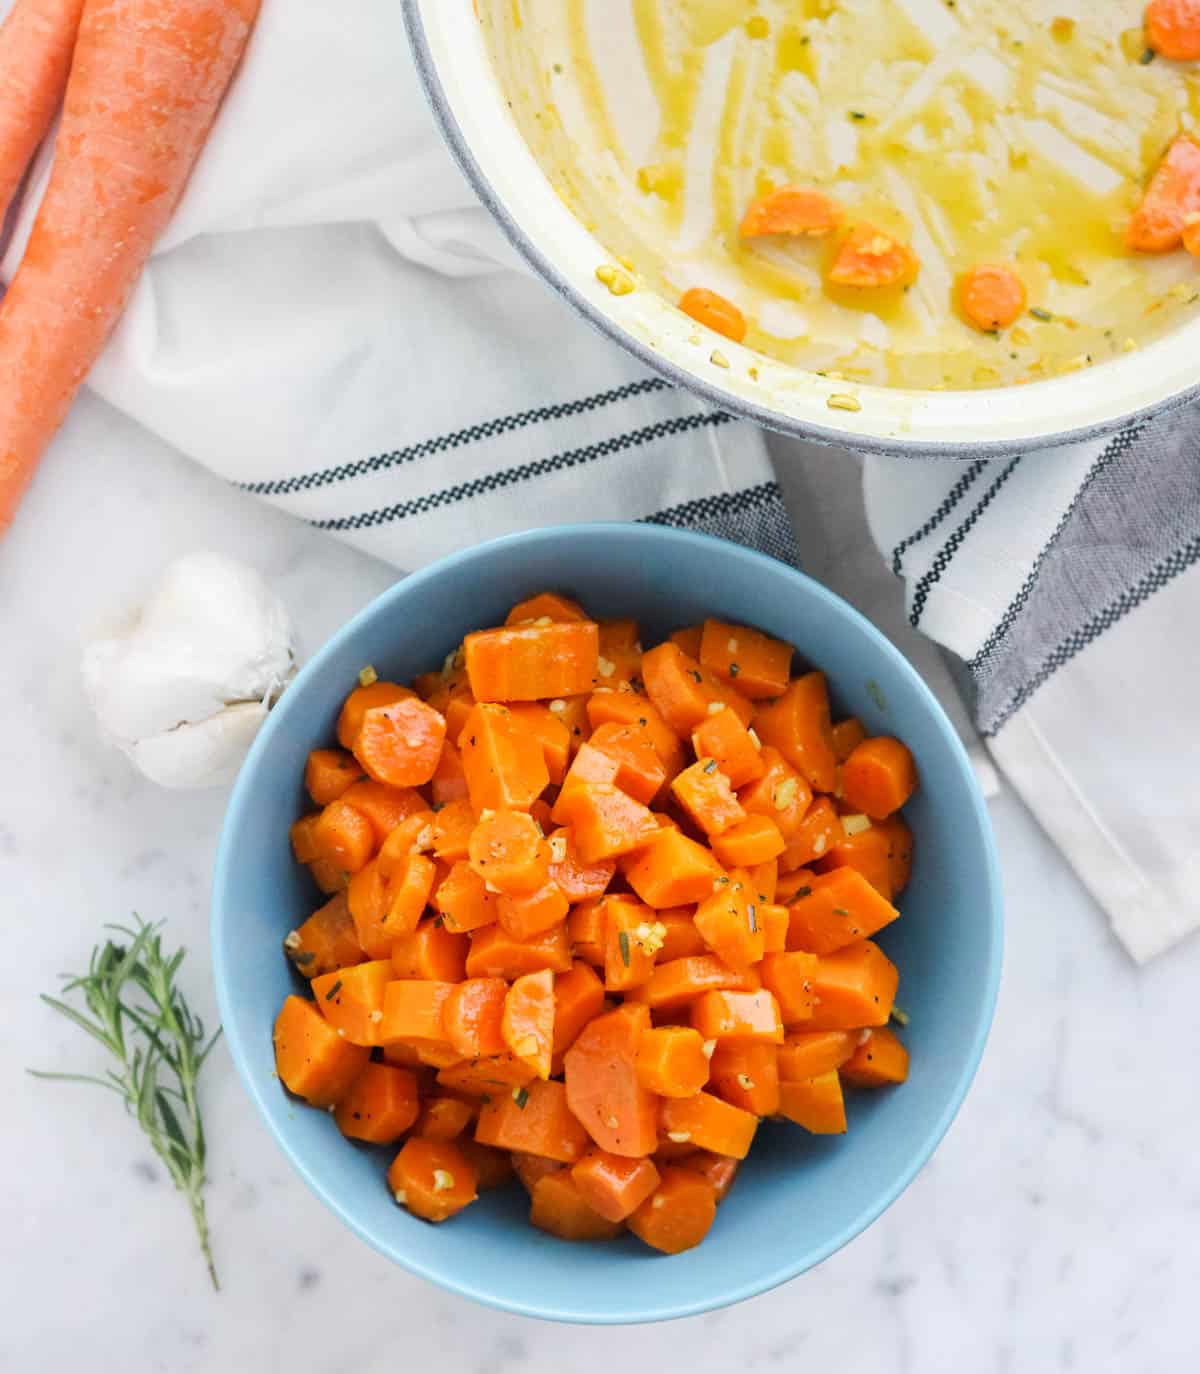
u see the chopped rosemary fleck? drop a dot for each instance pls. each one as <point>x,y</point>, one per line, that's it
<point>1147,57</point>
<point>333,991</point>
<point>520,1097</point>
<point>623,941</point>
<point>1040,313</point>
<point>802,892</point>
<point>840,911</point>
<point>752,916</point>
<point>698,677</point>
<point>733,670</point>
<point>899,1016</point>
<point>711,766</point>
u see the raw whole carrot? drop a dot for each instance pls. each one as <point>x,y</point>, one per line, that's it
<point>614,1185</point>
<point>503,760</point>
<point>714,312</point>
<point>743,1016</point>
<point>138,65</point>
<point>879,777</point>
<point>880,1058</point>
<point>855,986</point>
<point>433,1179</point>
<point>326,941</point>
<point>547,606</point>
<point>352,1000</point>
<point>795,210</point>
<point>431,951</point>
<point>578,999</point>
<point>507,850</point>
<point>678,1214</point>
<point>328,773</point>
<point>381,1104</point>
<point>747,660</point>
<point>1172,195</point>
<point>1173,29</point>
<point>870,257</point>
<point>495,954</point>
<point>527,1024</point>
<point>472,1014</point>
<point>671,1061</point>
<point>704,793</point>
<point>780,793</point>
<point>671,870</point>
<point>443,1118</point>
<point>603,1089</point>
<point>750,841</point>
<point>808,1053</point>
<point>991,296</point>
<point>789,976</point>
<point>746,1074</point>
<point>401,743</point>
<point>709,1124</point>
<point>527,914</point>
<point>558,1206</point>
<point>535,1120</point>
<point>723,737</point>
<point>815,1103</point>
<point>840,908</point>
<point>532,662</point>
<point>311,1059</point>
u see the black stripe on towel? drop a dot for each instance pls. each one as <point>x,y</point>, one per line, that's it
<point>755,516</point>
<point>952,498</point>
<point>489,429</point>
<point>541,467</point>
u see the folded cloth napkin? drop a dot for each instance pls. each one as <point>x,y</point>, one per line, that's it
<point>334,324</point>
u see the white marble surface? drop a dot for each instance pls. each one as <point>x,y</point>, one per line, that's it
<point>1058,1227</point>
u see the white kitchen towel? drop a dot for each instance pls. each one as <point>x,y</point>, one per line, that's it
<point>335,325</point>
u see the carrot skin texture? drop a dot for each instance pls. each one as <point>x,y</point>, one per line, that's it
<point>147,79</point>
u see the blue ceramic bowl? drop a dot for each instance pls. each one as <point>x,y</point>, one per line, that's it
<point>798,1197</point>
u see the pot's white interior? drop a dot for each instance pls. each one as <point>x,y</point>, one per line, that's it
<point>474,109</point>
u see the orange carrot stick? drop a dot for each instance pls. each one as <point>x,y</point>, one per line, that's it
<point>36,42</point>
<point>145,85</point>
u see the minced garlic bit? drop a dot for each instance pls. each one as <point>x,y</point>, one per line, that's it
<point>718,359</point>
<point>617,279</point>
<point>715,708</point>
<point>819,844</point>
<point>745,1081</point>
<point>658,1201</point>
<point>709,1047</point>
<point>754,739</point>
<point>486,814</point>
<point>341,1032</point>
<point>855,825</point>
<point>491,887</point>
<point>558,706</point>
<point>367,675</point>
<point>900,1017</point>
<point>558,848</point>
<point>679,1137</point>
<point>376,1017</point>
<point>864,1035</point>
<point>543,620</point>
<point>732,645</point>
<point>785,793</point>
<point>651,936</point>
<point>605,666</point>
<point>401,1197</point>
<point>842,400</point>
<point>424,840</point>
<point>528,1046</point>
<point>443,1180</point>
<point>292,941</point>
<point>612,1123</point>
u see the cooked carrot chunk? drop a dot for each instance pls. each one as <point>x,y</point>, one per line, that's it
<point>614,1185</point>
<point>433,1179</point>
<point>879,777</point>
<point>311,1059</point>
<point>714,312</point>
<point>532,662</point>
<point>797,210</point>
<point>678,1214</point>
<point>871,257</point>
<point>1173,29</point>
<point>815,1103</point>
<point>991,296</point>
<point>1172,195</point>
<point>879,1059</point>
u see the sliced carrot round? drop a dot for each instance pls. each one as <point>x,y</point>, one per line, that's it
<point>527,1024</point>
<point>869,256</point>
<point>792,210</point>
<point>708,308</point>
<point>506,849</point>
<point>1173,29</point>
<point>401,743</point>
<point>991,295</point>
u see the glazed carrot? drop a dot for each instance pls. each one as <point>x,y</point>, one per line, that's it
<point>578,998</point>
<point>527,1024</point>
<point>449,782</point>
<point>413,835</point>
<point>631,941</point>
<point>443,1118</point>
<point>746,1074</point>
<point>899,851</point>
<point>847,735</point>
<point>352,1000</point>
<point>606,821</point>
<point>605,706</point>
<point>798,725</point>
<point>708,1123</point>
<point>688,639</point>
<point>558,1206</point>
<point>471,1017</point>
<point>463,901</point>
<point>535,1120</point>
<point>671,1061</point>
<point>723,737</point>
<point>752,840</point>
<point>620,657</point>
<point>991,296</point>
<point>326,941</point>
<point>673,985</point>
<point>815,1103</point>
<point>704,793</point>
<point>714,312</point>
<point>1191,233</point>
<point>841,907</point>
<point>546,605</point>
<point>328,773</point>
<point>728,921</point>
<point>387,807</point>
<point>589,765</point>
<point>431,951</point>
<point>753,663</point>
<point>530,1169</point>
<point>452,826</point>
<point>880,1059</point>
<point>671,870</point>
<point>719,1170</point>
<point>764,879</point>
<point>587,930</point>
<point>493,1075</point>
<point>495,954</point>
<point>457,709</point>
<point>773,920</point>
<point>614,1185</point>
<point>330,877</point>
<point>797,883</point>
<point>401,743</point>
<point>640,770</point>
<point>869,257</point>
<point>503,759</point>
<point>344,836</point>
<point>855,986</point>
<point>311,1059</point>
<point>680,938</point>
<point>868,851</point>
<point>806,1054</point>
<point>603,1089</point>
<point>1173,29</point>
<point>1172,195</point>
<point>433,1179</point>
<point>819,832</point>
<point>879,777</point>
<point>552,733</point>
<point>683,692</point>
<point>507,850</point>
<point>412,1010</point>
<point>527,914</point>
<point>532,662</point>
<point>780,794</point>
<point>386,908</point>
<point>796,210</point>
<point>678,1214</point>
<point>789,976</point>
<point>361,700</point>
<point>572,711</point>
<point>576,880</point>
<point>381,1104</point>
<point>493,1168</point>
<point>742,1016</point>
<point>303,836</point>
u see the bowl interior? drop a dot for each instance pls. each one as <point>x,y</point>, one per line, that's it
<point>472,107</point>
<point>799,1197</point>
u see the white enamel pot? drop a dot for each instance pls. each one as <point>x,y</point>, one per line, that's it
<point>472,109</point>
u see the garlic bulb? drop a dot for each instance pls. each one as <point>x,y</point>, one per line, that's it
<point>184,684</point>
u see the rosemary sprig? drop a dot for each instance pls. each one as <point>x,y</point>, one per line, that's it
<point>140,1016</point>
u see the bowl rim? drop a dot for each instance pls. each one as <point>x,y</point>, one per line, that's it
<point>241,800</point>
<point>724,398</point>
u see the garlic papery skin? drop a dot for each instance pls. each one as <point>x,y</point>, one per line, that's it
<point>184,684</point>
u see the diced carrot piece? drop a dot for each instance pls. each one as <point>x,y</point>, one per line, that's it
<point>688,639</point>
<point>672,870</point>
<point>495,954</point>
<point>507,850</point>
<point>552,732</point>
<point>576,880</point>
<point>629,943</point>
<point>795,210</point>
<point>386,807</point>
<point>503,759</point>
<point>528,1021</point>
<point>871,257</point>
<point>547,606</point>
<point>457,710</point>
<point>527,914</point>
<point>449,782</point>
<point>328,773</point>
<point>303,836</point>
<point>614,1185</point>
<point>673,985</point>
<point>463,901</point>
<point>606,822</point>
<point>620,657</point>
<point>443,1118</point>
<point>367,902</point>
<point>709,1124</point>
<point>352,1000</point>
<point>847,735</point>
<point>381,1104</point>
<point>879,777</point>
<point>433,1054</point>
<point>723,737</point>
<point>798,725</point>
<point>899,851</point>
<point>602,1084</point>
<point>493,1168</point>
<point>789,976</point>
<point>589,765</point>
<point>855,986</point>
<point>452,826</point>
<point>326,941</point>
<point>746,1075</point>
<point>706,796</point>
<point>841,907</point>
<point>344,836</point>
<point>432,1178</point>
<point>991,296</point>
<point>780,793</point>
<point>815,1103</point>
<point>311,1059</point>
<point>412,835</point>
<point>631,708</point>
<point>572,711</point>
<point>618,634</point>
<point>747,660</point>
<point>1172,195</point>
<point>431,951</point>
<point>559,1208</point>
<point>819,832</point>
<point>671,1061</point>
<point>359,702</point>
<point>640,770</point>
<point>1173,29</point>
<point>587,930</point>
<point>535,1120</point>
<point>494,1075</point>
<point>714,312</point>
<point>408,895</point>
<point>683,691</point>
<point>719,1170</point>
<point>1191,232</point>
<point>400,743</point>
<point>752,840</point>
<point>797,883</point>
<point>808,1053</point>
<point>866,851</point>
<point>472,1013</point>
<point>531,1169</point>
<point>678,1214</point>
<point>728,921</point>
<point>578,998</point>
<point>743,1016</point>
<point>329,876</point>
<point>764,880</point>
<point>412,1010</point>
<point>880,1059</point>
<point>532,662</point>
<point>681,938</point>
